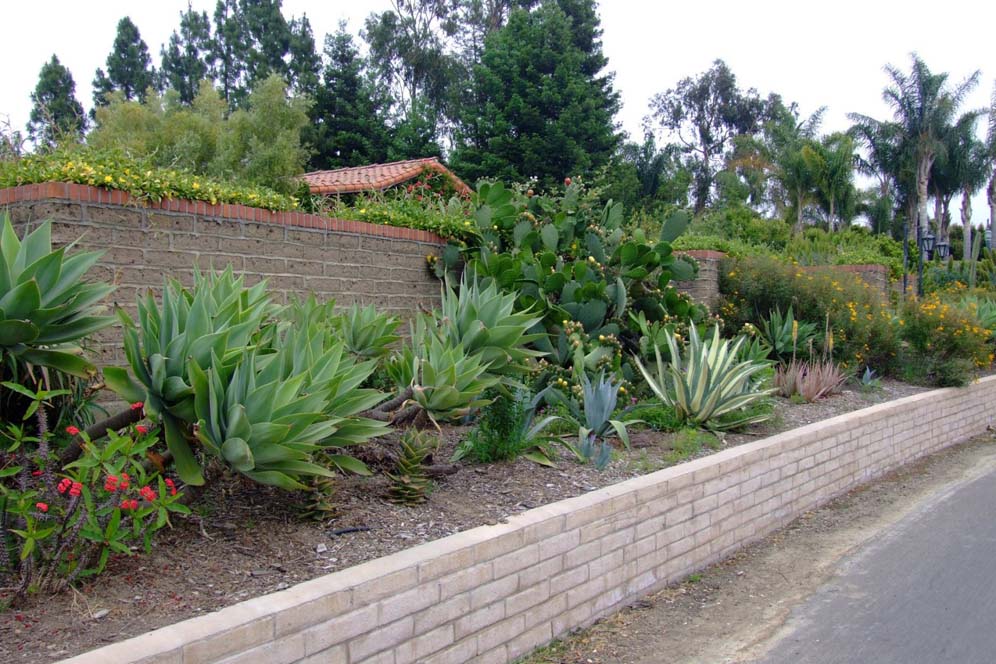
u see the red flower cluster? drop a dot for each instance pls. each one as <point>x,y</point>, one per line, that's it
<point>42,507</point>
<point>125,483</point>
<point>36,473</point>
<point>147,493</point>
<point>129,504</point>
<point>72,431</point>
<point>172,486</point>
<point>141,428</point>
<point>138,405</point>
<point>64,484</point>
<point>111,483</point>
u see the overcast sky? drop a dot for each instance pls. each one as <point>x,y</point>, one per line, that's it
<point>816,54</point>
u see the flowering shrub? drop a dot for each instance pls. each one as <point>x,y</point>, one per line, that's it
<point>943,343</point>
<point>138,177</point>
<point>58,526</point>
<point>855,313</point>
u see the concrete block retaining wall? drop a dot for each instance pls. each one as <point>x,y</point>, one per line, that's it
<point>492,594</point>
<point>297,253</point>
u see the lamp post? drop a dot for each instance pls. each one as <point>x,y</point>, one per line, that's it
<point>925,242</point>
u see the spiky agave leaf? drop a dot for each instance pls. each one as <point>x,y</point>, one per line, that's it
<point>707,381</point>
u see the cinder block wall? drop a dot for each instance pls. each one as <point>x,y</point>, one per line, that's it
<point>705,287</point>
<point>296,253</point>
<point>492,594</point>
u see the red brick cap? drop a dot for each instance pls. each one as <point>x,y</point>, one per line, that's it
<point>377,177</point>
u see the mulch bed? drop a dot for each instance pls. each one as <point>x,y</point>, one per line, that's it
<point>245,540</point>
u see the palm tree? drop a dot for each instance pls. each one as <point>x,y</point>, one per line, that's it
<point>991,152</point>
<point>833,160</point>
<point>961,168</point>
<point>923,106</point>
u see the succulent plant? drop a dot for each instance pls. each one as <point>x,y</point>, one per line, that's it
<point>409,484</point>
<point>207,328</point>
<point>45,306</point>
<point>367,333</point>
<point>448,383</point>
<point>483,320</point>
<point>707,381</point>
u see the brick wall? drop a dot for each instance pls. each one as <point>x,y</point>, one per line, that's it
<point>492,594</point>
<point>296,253</point>
<point>705,287</point>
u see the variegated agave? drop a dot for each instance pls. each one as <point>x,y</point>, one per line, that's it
<point>707,381</point>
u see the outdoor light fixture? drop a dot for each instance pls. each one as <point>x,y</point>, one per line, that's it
<point>942,249</point>
<point>925,243</point>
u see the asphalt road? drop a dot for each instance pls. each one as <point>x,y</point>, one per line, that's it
<point>921,592</point>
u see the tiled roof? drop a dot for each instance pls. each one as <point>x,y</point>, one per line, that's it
<point>376,177</point>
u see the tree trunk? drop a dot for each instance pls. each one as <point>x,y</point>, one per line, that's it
<point>939,216</point>
<point>991,195</point>
<point>966,224</point>
<point>922,180</point>
<point>833,226</point>
<point>798,214</point>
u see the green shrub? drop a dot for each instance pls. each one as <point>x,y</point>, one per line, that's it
<point>852,246</point>
<point>506,430</point>
<point>944,344</point>
<point>856,314</point>
<point>137,176</point>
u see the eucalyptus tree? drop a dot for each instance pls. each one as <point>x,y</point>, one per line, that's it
<point>706,114</point>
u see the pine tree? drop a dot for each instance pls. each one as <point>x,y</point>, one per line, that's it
<point>56,114</point>
<point>537,112</point>
<point>347,126</point>
<point>129,67</point>
<point>305,65</point>
<point>229,51</point>
<point>187,60</point>
<point>269,40</point>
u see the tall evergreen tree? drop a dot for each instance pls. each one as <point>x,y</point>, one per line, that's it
<point>129,67</point>
<point>305,66</point>
<point>268,40</point>
<point>538,114</point>
<point>347,126</point>
<point>229,51</point>
<point>187,59</point>
<point>56,114</point>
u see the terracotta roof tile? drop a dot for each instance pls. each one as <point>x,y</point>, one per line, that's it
<point>375,177</point>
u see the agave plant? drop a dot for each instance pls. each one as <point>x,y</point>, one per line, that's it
<point>45,306</point>
<point>484,322</point>
<point>786,335</point>
<point>448,382</point>
<point>599,401</point>
<point>367,332</point>
<point>707,382</point>
<point>812,380</point>
<point>209,329</point>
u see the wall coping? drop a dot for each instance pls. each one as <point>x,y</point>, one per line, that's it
<point>708,254</point>
<point>80,193</point>
<point>847,450</point>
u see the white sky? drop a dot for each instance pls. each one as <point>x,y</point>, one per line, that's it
<point>816,54</point>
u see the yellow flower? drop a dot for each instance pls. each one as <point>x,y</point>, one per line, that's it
<point>197,185</point>
<point>108,178</point>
